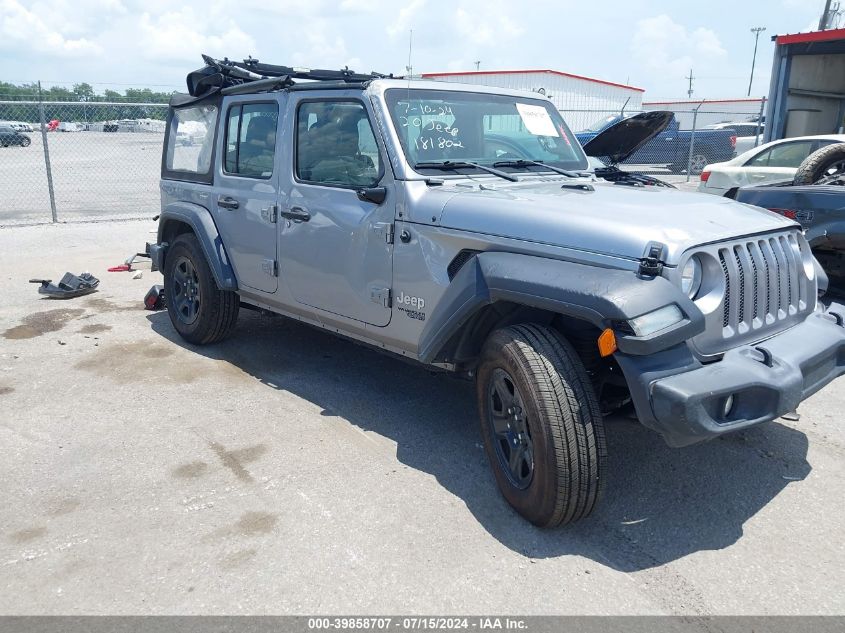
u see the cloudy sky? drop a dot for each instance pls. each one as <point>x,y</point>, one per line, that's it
<point>647,43</point>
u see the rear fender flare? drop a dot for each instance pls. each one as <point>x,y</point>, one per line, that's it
<point>599,296</point>
<point>199,219</point>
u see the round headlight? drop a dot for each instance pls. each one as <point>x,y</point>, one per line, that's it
<point>691,277</point>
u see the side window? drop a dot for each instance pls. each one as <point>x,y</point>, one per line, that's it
<point>251,139</point>
<point>790,154</point>
<point>335,145</point>
<point>191,139</point>
<point>760,160</point>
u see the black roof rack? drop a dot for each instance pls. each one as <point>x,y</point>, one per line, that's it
<point>229,77</point>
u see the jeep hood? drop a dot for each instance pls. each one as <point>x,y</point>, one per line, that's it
<point>625,137</point>
<point>611,219</point>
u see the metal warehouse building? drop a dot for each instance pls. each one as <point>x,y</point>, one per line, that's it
<point>709,112</point>
<point>581,100</point>
<point>807,91</point>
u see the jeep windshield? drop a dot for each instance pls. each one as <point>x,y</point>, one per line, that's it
<point>472,131</point>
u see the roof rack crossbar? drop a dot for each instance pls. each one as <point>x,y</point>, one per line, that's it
<point>229,77</point>
<point>252,69</point>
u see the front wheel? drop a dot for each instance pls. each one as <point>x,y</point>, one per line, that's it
<point>541,425</point>
<point>198,309</point>
<point>25,142</point>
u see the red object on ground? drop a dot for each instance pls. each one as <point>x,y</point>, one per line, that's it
<point>120,269</point>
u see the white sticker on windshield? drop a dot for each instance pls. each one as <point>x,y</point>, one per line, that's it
<point>536,119</point>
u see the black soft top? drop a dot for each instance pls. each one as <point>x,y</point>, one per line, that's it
<point>222,77</point>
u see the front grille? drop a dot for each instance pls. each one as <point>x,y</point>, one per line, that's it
<point>762,273</point>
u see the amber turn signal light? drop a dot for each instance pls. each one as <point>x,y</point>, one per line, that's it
<point>607,342</point>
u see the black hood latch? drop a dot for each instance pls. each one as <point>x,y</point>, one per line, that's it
<point>651,264</point>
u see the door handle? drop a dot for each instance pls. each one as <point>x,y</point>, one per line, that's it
<point>227,202</point>
<point>297,214</point>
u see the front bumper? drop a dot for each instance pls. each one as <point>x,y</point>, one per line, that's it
<point>683,400</point>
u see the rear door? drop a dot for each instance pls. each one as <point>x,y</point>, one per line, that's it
<point>246,188</point>
<point>336,212</point>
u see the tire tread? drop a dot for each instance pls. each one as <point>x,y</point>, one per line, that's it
<point>565,396</point>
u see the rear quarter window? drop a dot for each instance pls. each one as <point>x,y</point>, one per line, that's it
<point>190,141</point>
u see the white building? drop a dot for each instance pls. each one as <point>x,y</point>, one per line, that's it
<point>709,111</point>
<point>581,100</point>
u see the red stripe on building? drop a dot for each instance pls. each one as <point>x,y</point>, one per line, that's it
<point>545,70</point>
<point>813,36</point>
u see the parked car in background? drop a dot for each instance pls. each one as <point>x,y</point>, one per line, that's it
<point>18,126</point>
<point>748,135</point>
<point>815,197</point>
<point>671,147</point>
<point>69,126</point>
<point>772,162</point>
<point>10,136</point>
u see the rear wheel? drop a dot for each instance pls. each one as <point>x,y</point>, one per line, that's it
<point>25,142</point>
<point>541,425</point>
<point>198,309</point>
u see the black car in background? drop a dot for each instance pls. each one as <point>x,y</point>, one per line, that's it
<point>9,136</point>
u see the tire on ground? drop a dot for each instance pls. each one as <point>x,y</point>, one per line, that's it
<point>817,163</point>
<point>218,309</point>
<point>563,419</point>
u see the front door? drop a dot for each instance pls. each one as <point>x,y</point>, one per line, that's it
<point>247,191</point>
<point>335,244</point>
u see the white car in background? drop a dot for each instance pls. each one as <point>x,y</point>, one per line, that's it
<point>748,135</point>
<point>771,162</point>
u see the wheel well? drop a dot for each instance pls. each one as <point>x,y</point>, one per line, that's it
<point>465,347</point>
<point>171,229</point>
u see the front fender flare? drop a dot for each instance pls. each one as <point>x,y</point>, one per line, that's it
<point>200,220</point>
<point>600,296</point>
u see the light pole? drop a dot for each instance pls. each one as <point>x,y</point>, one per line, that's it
<point>756,30</point>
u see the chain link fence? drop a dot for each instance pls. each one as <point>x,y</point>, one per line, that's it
<point>79,161</point>
<point>93,161</point>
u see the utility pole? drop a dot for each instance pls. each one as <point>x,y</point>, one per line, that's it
<point>823,21</point>
<point>477,65</point>
<point>689,91</point>
<point>756,30</point>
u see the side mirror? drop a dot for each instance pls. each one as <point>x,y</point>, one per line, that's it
<point>376,195</point>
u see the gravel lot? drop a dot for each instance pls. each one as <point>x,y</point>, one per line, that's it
<point>288,471</point>
<point>99,175</point>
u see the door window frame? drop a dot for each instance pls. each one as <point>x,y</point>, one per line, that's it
<point>373,128</point>
<point>225,124</point>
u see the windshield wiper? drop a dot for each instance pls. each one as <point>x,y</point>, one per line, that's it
<point>459,164</point>
<point>525,163</point>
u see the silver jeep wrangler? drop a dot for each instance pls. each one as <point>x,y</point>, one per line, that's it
<point>457,226</point>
